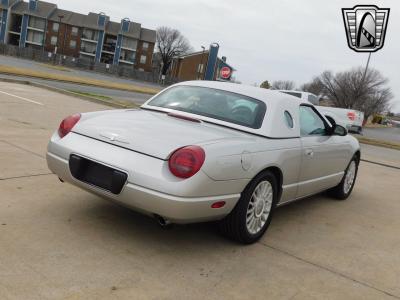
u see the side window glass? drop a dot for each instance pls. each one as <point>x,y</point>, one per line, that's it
<point>313,99</point>
<point>289,119</point>
<point>310,122</point>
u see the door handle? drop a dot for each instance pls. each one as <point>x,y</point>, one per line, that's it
<point>310,153</point>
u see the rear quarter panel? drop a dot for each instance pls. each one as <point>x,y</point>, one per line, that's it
<point>235,160</point>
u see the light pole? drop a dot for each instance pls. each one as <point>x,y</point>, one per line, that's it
<point>216,45</point>
<point>365,73</point>
<point>366,67</point>
<point>201,71</point>
<point>60,17</point>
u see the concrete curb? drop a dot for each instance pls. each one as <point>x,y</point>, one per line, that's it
<point>66,92</point>
<point>381,164</point>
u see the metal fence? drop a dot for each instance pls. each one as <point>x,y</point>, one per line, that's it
<point>40,55</point>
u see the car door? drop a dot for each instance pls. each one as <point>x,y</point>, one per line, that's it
<point>324,156</point>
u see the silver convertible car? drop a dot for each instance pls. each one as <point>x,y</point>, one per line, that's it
<point>207,151</point>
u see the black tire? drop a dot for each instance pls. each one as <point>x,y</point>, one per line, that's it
<point>338,191</point>
<point>234,225</point>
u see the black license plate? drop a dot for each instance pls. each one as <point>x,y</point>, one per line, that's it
<point>97,174</point>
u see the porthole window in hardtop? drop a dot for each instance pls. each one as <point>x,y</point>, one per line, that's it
<point>289,119</point>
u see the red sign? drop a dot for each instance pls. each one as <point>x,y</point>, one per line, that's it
<point>225,73</point>
<point>351,115</point>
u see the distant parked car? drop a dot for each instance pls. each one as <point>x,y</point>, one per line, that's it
<point>396,123</point>
<point>201,151</point>
<point>351,119</point>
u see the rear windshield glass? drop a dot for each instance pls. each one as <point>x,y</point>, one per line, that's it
<point>213,103</point>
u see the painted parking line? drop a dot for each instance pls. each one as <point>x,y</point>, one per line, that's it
<point>21,98</point>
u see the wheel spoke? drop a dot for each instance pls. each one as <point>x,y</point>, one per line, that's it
<point>259,207</point>
<point>250,211</point>
<point>349,177</point>
<point>249,219</point>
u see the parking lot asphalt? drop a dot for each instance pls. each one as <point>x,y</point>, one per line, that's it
<point>118,95</point>
<point>59,242</point>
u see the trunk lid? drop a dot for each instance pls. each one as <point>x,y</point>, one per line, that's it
<point>151,133</point>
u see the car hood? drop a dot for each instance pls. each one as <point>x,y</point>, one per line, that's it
<point>151,133</point>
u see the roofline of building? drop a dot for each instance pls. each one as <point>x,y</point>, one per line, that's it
<point>48,17</point>
<point>204,52</point>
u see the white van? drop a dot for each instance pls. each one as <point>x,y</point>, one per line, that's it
<point>348,118</point>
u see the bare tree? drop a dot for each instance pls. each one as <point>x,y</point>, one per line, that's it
<point>283,85</point>
<point>356,89</point>
<point>170,43</point>
<point>315,87</point>
<point>379,102</point>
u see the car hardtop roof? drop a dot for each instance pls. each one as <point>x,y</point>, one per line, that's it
<point>293,91</point>
<point>274,124</point>
<point>265,95</point>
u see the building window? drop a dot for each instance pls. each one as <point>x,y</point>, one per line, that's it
<point>200,68</point>
<point>74,31</point>
<point>143,59</point>
<point>127,55</point>
<point>53,40</point>
<point>35,37</point>
<point>129,43</point>
<point>88,47</point>
<point>145,46</point>
<point>110,43</point>
<point>89,34</point>
<point>72,44</point>
<point>38,23</point>
<point>56,27</point>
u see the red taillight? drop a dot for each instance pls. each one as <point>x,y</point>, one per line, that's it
<point>187,161</point>
<point>67,124</point>
<point>351,115</point>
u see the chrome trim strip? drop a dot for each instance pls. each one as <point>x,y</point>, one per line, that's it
<point>288,186</point>
<point>312,180</point>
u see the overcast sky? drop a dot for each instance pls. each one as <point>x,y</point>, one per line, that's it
<point>264,39</point>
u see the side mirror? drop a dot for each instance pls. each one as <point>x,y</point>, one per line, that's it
<point>339,130</point>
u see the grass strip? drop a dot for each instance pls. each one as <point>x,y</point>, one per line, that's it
<point>380,143</point>
<point>78,80</point>
<point>55,67</point>
<point>102,99</point>
<point>93,95</point>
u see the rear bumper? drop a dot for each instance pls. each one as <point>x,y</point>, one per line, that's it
<point>177,209</point>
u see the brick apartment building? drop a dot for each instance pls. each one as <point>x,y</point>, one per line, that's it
<point>194,66</point>
<point>65,36</point>
<point>42,25</point>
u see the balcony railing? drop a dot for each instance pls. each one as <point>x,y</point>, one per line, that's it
<point>109,48</point>
<point>88,50</point>
<point>90,37</point>
<point>15,28</point>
